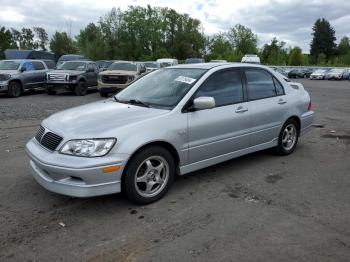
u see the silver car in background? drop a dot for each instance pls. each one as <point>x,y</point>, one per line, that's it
<point>172,121</point>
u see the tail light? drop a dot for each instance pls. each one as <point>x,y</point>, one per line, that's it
<point>309,107</point>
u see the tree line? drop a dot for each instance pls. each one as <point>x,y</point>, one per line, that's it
<point>148,33</point>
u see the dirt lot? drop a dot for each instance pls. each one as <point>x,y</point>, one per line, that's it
<point>259,207</point>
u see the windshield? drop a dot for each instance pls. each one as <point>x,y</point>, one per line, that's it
<point>319,71</point>
<point>123,67</point>
<point>336,71</point>
<point>151,65</point>
<point>9,65</point>
<point>79,66</point>
<point>163,88</point>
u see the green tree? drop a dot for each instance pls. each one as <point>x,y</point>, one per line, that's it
<point>6,41</point>
<point>323,40</point>
<point>219,47</point>
<point>274,53</point>
<point>61,44</point>
<point>296,57</point>
<point>243,39</point>
<point>25,38</point>
<point>42,36</point>
<point>343,46</point>
<point>322,59</point>
<point>91,43</point>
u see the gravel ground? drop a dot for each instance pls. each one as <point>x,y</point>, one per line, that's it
<point>259,207</point>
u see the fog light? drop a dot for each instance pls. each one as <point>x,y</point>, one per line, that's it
<point>111,169</point>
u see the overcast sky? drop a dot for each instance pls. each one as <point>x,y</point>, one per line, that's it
<point>288,20</point>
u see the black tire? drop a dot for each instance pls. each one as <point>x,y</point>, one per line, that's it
<point>103,94</point>
<point>129,186</point>
<point>14,89</point>
<point>80,89</point>
<point>49,90</point>
<point>281,148</point>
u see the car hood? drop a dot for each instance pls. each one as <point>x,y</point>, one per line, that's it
<point>118,72</point>
<point>66,72</point>
<point>9,72</point>
<point>98,119</point>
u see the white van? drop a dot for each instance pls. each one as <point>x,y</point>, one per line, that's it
<point>253,59</point>
<point>165,62</point>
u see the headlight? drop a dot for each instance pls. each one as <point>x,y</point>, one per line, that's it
<point>5,77</point>
<point>88,147</point>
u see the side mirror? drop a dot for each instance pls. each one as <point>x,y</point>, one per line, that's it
<point>22,69</point>
<point>203,102</point>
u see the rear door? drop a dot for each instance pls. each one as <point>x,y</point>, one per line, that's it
<point>225,128</point>
<point>268,105</point>
<point>91,74</point>
<point>39,72</point>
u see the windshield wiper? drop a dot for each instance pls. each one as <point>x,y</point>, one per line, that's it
<point>132,101</point>
<point>138,102</point>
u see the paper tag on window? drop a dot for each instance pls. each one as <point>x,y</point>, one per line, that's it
<point>184,79</point>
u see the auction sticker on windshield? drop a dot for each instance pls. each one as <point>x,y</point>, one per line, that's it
<point>185,79</point>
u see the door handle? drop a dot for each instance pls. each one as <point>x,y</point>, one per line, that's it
<point>241,109</point>
<point>281,101</point>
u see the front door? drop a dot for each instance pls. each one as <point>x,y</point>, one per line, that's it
<point>225,128</point>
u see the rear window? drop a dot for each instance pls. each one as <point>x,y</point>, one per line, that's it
<point>38,65</point>
<point>260,84</point>
<point>50,64</point>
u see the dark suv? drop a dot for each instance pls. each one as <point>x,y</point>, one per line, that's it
<point>76,76</point>
<point>18,75</point>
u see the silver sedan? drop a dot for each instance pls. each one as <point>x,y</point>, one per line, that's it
<point>172,121</point>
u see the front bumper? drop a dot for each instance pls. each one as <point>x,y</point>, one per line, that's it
<point>3,86</point>
<point>110,88</point>
<point>75,176</point>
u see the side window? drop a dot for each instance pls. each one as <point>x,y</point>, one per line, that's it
<point>224,86</point>
<point>279,87</point>
<point>28,66</point>
<point>38,65</point>
<point>50,64</point>
<point>260,84</point>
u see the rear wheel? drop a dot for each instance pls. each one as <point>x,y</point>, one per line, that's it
<point>149,175</point>
<point>80,89</point>
<point>288,138</point>
<point>14,89</point>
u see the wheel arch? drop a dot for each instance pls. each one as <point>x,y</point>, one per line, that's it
<point>296,119</point>
<point>168,146</point>
<point>17,81</point>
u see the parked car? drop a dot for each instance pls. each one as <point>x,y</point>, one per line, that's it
<point>318,74</point>
<point>346,74</point>
<point>334,74</point>
<point>280,70</point>
<point>172,121</point>
<point>104,64</point>
<point>16,76</point>
<point>300,73</point>
<point>194,61</point>
<point>252,59</point>
<point>11,54</point>
<point>75,76</point>
<point>118,76</point>
<point>218,61</point>
<point>165,62</point>
<point>151,66</point>
<point>71,57</point>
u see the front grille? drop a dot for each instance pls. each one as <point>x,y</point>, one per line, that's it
<point>114,79</point>
<point>56,77</point>
<point>40,133</point>
<point>48,140</point>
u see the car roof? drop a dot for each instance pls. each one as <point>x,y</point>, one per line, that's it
<point>208,66</point>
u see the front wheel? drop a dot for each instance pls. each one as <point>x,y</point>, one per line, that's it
<point>80,89</point>
<point>288,138</point>
<point>14,89</point>
<point>149,175</point>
